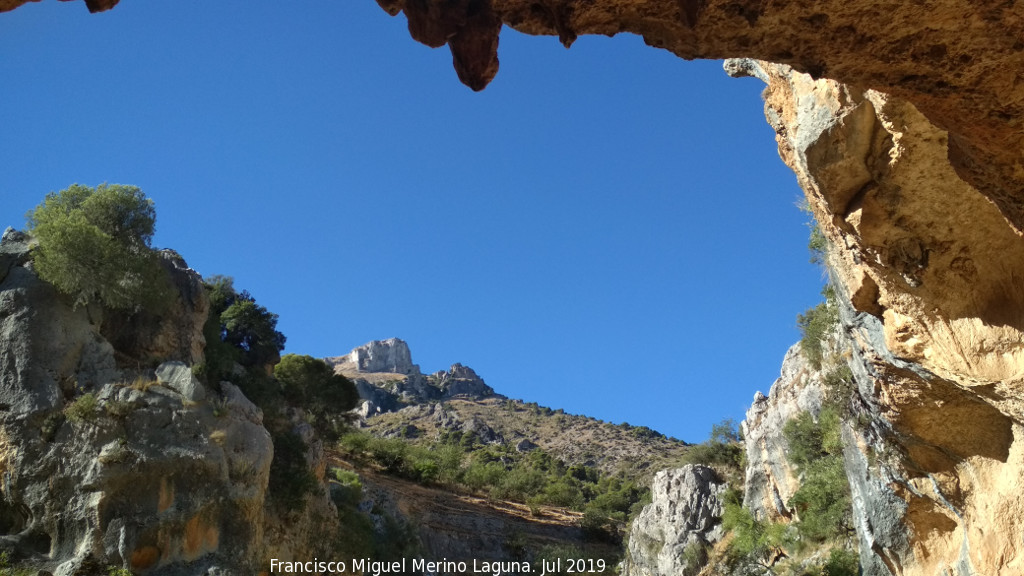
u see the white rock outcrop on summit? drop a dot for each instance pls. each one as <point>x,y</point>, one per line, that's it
<point>391,356</point>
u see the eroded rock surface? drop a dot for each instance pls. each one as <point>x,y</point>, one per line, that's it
<point>925,266</point>
<point>391,356</point>
<point>110,466</point>
<point>672,533</point>
<point>770,478</point>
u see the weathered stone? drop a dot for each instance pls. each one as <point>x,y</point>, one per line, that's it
<point>178,377</point>
<point>770,479</point>
<point>482,431</point>
<point>175,333</point>
<point>235,401</point>
<point>671,535</point>
<point>525,445</point>
<point>389,356</point>
<point>47,348</point>
<point>142,480</point>
<point>461,381</point>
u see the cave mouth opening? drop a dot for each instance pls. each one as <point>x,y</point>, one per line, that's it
<point>605,205</point>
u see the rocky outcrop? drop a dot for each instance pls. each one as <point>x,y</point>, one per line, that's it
<point>387,380</point>
<point>461,380</point>
<point>390,356</point>
<point>770,480</point>
<point>174,333</point>
<point>672,535</point>
<point>106,466</point>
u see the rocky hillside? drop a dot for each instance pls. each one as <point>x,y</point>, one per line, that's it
<point>434,523</point>
<point>399,401</point>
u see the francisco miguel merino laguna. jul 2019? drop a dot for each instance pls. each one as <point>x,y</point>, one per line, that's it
<point>444,566</point>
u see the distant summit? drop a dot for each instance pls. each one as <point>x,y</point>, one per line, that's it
<point>387,380</point>
<point>380,356</point>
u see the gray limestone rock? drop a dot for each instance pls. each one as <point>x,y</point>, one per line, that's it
<point>391,355</point>
<point>140,479</point>
<point>178,377</point>
<point>481,430</point>
<point>235,401</point>
<point>671,535</point>
<point>461,381</point>
<point>525,445</point>
<point>770,479</point>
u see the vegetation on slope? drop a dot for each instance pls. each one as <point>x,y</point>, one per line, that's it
<point>818,540</point>
<point>633,451</point>
<point>459,462</point>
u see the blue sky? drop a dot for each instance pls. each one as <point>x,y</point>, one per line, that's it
<point>606,229</point>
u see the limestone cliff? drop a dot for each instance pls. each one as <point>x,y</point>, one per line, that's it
<point>932,311</point>
<point>770,480</point>
<point>109,463</point>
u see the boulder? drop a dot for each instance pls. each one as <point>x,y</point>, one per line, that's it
<point>178,377</point>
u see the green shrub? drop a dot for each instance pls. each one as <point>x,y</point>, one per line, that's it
<point>823,500</point>
<point>753,539</point>
<point>482,475</point>
<point>390,453</point>
<point>94,245</point>
<point>238,330</point>
<point>349,488</point>
<point>842,562</point>
<point>311,383</point>
<point>252,329</point>
<point>85,408</point>
<point>817,245</point>
<point>354,443</point>
<point>839,386</point>
<point>723,450</point>
<point>815,325</point>
<point>599,527</point>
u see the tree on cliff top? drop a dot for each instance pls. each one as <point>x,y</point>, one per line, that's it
<point>94,245</point>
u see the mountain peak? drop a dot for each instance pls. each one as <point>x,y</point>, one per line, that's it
<point>388,356</point>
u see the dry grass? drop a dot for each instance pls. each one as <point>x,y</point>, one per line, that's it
<point>142,383</point>
<point>219,437</point>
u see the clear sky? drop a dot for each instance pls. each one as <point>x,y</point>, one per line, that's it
<point>606,229</point>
